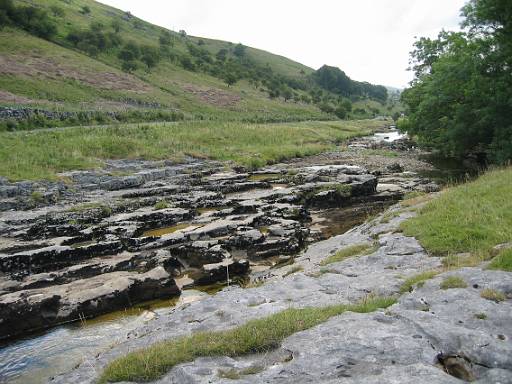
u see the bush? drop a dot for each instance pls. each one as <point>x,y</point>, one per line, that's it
<point>150,56</point>
<point>33,20</point>
<point>187,63</point>
<point>94,40</point>
<point>453,282</point>
<point>493,295</point>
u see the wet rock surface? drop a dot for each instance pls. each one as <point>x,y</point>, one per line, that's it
<point>135,216</point>
<point>104,240</point>
<point>431,335</point>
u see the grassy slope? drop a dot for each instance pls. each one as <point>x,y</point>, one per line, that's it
<point>166,84</point>
<point>41,154</point>
<point>473,217</point>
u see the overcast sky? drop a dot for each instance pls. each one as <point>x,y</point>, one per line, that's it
<point>369,39</point>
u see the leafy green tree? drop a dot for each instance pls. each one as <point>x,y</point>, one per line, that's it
<point>187,63</point>
<point>57,11</point>
<point>287,93</point>
<point>85,10</point>
<point>130,52</point>
<point>222,54</point>
<point>230,78</point>
<point>166,39</point>
<point>459,101</point>
<point>150,56</point>
<point>129,65</point>
<point>116,25</point>
<point>33,20</point>
<point>340,111</point>
<point>239,50</point>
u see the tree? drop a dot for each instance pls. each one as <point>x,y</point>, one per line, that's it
<point>85,10</point>
<point>129,66</point>
<point>166,39</point>
<point>116,25</point>
<point>230,78</point>
<point>130,52</point>
<point>239,50</point>
<point>287,93</point>
<point>57,11</point>
<point>340,111</point>
<point>187,63</point>
<point>459,101</point>
<point>222,54</point>
<point>150,56</point>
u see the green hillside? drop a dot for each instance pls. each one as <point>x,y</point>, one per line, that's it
<point>81,55</point>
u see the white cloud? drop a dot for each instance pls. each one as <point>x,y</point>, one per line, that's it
<point>369,39</point>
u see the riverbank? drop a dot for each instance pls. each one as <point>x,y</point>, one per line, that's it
<point>169,228</point>
<point>445,327</point>
<point>39,155</point>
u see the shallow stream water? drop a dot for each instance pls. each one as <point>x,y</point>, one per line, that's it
<point>36,358</point>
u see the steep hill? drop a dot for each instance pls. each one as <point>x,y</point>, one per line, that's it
<point>81,55</point>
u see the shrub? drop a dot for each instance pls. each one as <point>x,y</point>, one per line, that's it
<point>31,19</point>
<point>162,204</point>
<point>85,10</point>
<point>453,282</point>
<point>417,280</point>
<point>493,295</point>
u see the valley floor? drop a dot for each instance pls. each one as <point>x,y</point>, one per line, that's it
<point>437,332</point>
<point>139,230</point>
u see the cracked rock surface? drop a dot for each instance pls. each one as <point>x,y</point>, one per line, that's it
<point>431,335</point>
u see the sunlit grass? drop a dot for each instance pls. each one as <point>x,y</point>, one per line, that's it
<point>42,154</point>
<point>256,336</point>
<point>345,253</point>
<point>470,218</point>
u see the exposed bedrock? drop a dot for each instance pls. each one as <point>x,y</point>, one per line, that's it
<point>88,250</point>
<point>35,309</point>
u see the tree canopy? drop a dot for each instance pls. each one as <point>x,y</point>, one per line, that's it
<point>460,100</point>
<point>336,81</point>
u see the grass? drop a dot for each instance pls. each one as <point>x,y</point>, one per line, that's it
<point>453,282</point>
<point>235,374</point>
<point>469,218</point>
<point>256,336</point>
<point>80,208</point>
<point>42,154</point>
<point>294,269</point>
<point>353,250</point>
<point>503,261</point>
<point>162,204</point>
<point>380,152</point>
<point>417,280</point>
<point>493,295</point>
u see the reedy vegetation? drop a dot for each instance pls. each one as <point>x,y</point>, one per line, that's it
<point>42,154</point>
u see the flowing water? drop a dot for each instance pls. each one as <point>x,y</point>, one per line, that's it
<point>37,357</point>
<point>34,359</point>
